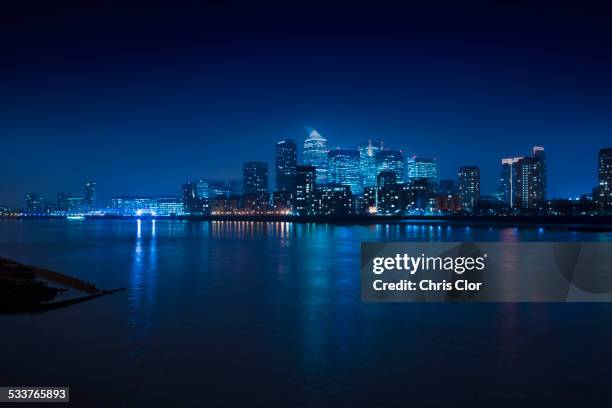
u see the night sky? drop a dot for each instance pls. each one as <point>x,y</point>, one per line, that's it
<point>143,97</point>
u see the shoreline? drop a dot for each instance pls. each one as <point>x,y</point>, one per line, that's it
<point>593,223</point>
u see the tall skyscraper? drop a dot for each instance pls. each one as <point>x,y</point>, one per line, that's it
<point>191,202</point>
<point>469,187</point>
<point>367,163</point>
<point>604,189</point>
<point>343,168</point>
<point>422,167</point>
<point>390,160</point>
<point>305,188</point>
<point>203,189</point>
<point>507,181</point>
<point>255,175</point>
<point>531,181</point>
<point>91,195</point>
<point>315,154</point>
<point>286,161</point>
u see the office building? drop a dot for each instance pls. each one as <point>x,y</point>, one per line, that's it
<point>367,163</point>
<point>343,168</point>
<point>531,181</point>
<point>286,161</point>
<point>34,204</point>
<point>169,206</point>
<point>315,154</point>
<point>469,187</point>
<point>255,176</point>
<point>91,195</point>
<point>507,179</point>
<point>604,187</point>
<point>423,168</point>
<point>305,188</point>
<point>390,160</point>
<point>333,199</point>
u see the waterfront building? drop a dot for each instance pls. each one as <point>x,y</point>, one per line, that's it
<point>234,188</point>
<point>169,206</point>
<point>203,189</point>
<point>34,204</point>
<point>448,203</point>
<point>333,199</point>
<point>368,168</point>
<point>305,188</point>
<point>604,188</point>
<point>191,201</point>
<point>507,179</point>
<point>255,176</point>
<point>390,160</point>
<point>531,181</point>
<point>423,168</point>
<point>389,193</point>
<point>134,205</point>
<point>418,196</point>
<point>469,187</point>
<point>282,202</point>
<point>343,168</point>
<point>286,162</point>
<point>91,195</point>
<point>315,154</point>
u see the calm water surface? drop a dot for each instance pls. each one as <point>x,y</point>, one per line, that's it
<point>269,314</point>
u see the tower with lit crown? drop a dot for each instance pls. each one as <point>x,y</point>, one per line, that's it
<point>315,154</point>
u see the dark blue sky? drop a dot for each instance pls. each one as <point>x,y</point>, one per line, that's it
<point>142,97</point>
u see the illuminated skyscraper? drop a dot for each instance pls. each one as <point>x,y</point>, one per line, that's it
<point>604,189</point>
<point>423,167</point>
<point>203,189</point>
<point>255,178</point>
<point>469,187</point>
<point>343,168</point>
<point>286,161</point>
<point>91,195</point>
<point>531,181</point>
<point>390,160</point>
<point>507,181</point>
<point>305,188</point>
<point>315,154</point>
<point>367,163</point>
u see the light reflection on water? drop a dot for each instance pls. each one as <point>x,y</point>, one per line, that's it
<point>275,309</point>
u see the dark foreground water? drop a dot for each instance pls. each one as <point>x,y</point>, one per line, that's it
<point>269,314</point>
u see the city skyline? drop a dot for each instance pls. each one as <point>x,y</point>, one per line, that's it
<point>188,92</point>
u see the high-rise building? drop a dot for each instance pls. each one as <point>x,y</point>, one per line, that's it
<point>423,167</point>
<point>334,199</point>
<point>203,189</point>
<point>604,188</point>
<point>469,187</point>
<point>390,160</point>
<point>367,163</point>
<point>286,161</point>
<point>305,187</point>
<point>343,168</point>
<point>255,176</point>
<point>191,202</point>
<point>34,203</point>
<point>315,154</point>
<point>91,195</point>
<point>169,206</point>
<point>507,179</point>
<point>531,181</point>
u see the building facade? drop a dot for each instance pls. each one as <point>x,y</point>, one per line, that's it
<point>305,189</point>
<point>315,154</point>
<point>531,182</point>
<point>255,177</point>
<point>343,168</point>
<point>286,162</point>
<point>367,163</point>
<point>507,181</point>
<point>604,187</point>
<point>390,160</point>
<point>468,182</point>
<point>422,167</point>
